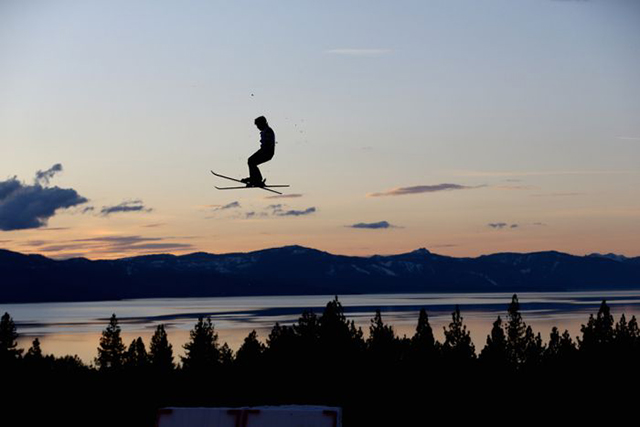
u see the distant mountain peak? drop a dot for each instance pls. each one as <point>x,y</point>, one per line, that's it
<point>421,251</point>
<point>612,256</point>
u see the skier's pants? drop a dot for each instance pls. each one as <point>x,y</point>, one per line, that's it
<point>257,158</point>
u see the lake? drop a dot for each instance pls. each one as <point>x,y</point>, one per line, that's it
<point>75,327</point>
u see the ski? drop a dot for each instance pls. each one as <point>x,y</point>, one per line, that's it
<point>263,187</point>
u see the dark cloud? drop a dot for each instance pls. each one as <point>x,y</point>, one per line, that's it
<point>295,212</point>
<point>417,189</point>
<point>284,196</point>
<point>501,225</point>
<point>231,205</point>
<point>275,208</point>
<point>25,206</point>
<point>43,177</point>
<point>372,225</point>
<point>88,209</point>
<point>126,206</point>
<point>497,225</point>
<point>158,224</point>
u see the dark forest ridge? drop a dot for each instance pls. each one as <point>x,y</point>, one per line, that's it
<point>296,270</point>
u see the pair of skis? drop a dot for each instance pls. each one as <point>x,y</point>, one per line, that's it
<point>263,187</point>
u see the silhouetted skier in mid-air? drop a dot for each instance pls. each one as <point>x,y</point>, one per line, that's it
<point>264,154</point>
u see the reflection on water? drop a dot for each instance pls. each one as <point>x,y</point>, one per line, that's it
<point>75,328</point>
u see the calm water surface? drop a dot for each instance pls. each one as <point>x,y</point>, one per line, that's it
<point>75,327</point>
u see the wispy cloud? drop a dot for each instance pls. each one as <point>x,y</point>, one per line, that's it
<point>358,52</point>
<point>557,194</point>
<point>24,206</point>
<point>501,225</point>
<point>372,225</point>
<point>417,189</point>
<point>514,187</point>
<point>231,205</point>
<point>629,138</point>
<point>43,177</point>
<point>126,206</point>
<point>294,212</point>
<point>279,210</point>
<point>157,224</point>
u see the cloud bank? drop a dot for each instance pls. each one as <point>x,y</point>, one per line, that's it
<point>134,244</point>
<point>24,206</point>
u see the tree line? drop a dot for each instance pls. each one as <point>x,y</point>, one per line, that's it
<point>326,359</point>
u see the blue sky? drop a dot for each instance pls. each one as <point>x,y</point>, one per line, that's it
<point>527,110</point>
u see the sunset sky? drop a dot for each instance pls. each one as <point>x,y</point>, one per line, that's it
<point>464,127</point>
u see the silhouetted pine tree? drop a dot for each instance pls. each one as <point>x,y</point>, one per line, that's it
<point>494,353</point>
<point>161,352</point>
<point>534,349</point>
<point>136,356</point>
<point>308,331</point>
<point>35,352</point>
<point>281,341</point>
<point>598,333</point>
<point>111,349</point>
<point>457,347</point>
<point>626,340</point>
<point>423,348</point>
<point>202,352</point>
<point>516,334</point>
<point>8,339</point>
<point>634,333</point>
<point>339,338</point>
<point>382,343</point>
<point>226,355</point>
<point>35,361</point>
<point>560,348</point>
<point>250,352</point>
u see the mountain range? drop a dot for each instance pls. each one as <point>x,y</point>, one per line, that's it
<point>297,270</point>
